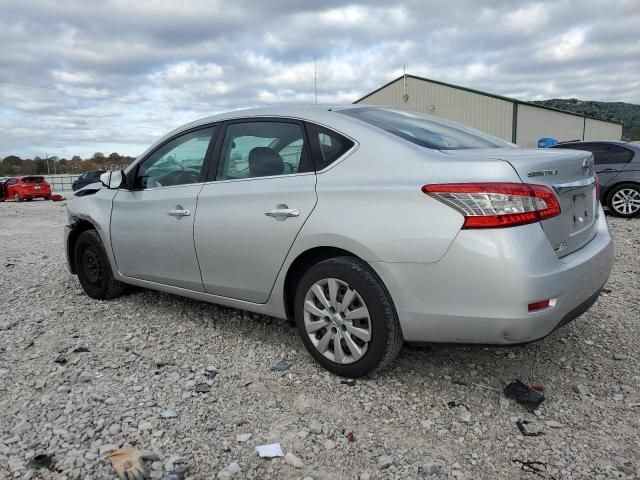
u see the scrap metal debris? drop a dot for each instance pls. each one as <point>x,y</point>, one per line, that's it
<point>80,350</point>
<point>281,366</point>
<point>128,463</point>
<point>60,360</point>
<point>537,468</point>
<point>349,382</point>
<point>605,291</point>
<point>529,397</point>
<point>521,423</point>
<point>203,388</point>
<point>42,460</point>
<point>211,374</point>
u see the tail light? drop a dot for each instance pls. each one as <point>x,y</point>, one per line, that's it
<point>497,205</point>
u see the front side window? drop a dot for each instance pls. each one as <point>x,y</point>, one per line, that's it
<point>426,130</point>
<point>178,162</point>
<point>261,149</point>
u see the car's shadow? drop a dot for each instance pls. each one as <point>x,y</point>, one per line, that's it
<point>490,366</point>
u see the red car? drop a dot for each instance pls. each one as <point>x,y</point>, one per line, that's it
<point>27,188</point>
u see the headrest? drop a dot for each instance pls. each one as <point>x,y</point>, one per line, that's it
<point>264,162</point>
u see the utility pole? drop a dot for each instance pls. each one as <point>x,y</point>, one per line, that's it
<point>46,159</point>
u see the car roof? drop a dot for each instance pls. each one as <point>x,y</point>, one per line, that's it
<point>321,114</point>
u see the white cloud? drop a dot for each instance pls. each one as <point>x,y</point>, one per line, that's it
<point>114,75</point>
<point>528,19</point>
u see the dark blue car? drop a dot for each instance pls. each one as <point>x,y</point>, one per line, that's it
<point>87,178</point>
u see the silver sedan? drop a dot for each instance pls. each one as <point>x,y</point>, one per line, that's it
<point>367,226</point>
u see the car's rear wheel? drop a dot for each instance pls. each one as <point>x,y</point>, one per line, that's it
<point>624,200</point>
<point>93,267</point>
<point>346,318</point>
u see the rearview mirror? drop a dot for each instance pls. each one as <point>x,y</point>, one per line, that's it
<point>112,180</point>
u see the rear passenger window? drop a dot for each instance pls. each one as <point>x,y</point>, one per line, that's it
<point>619,155</point>
<point>262,149</point>
<point>330,145</point>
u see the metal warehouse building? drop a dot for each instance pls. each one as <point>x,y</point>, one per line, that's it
<point>519,122</point>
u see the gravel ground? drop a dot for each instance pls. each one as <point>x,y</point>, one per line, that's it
<point>79,378</point>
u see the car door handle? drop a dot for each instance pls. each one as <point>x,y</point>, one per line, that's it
<point>179,212</point>
<point>282,213</point>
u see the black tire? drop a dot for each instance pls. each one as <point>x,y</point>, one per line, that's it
<point>386,336</point>
<point>93,267</point>
<point>617,209</point>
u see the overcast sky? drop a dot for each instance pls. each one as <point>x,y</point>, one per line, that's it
<point>99,75</point>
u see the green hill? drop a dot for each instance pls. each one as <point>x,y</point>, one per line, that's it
<point>626,113</point>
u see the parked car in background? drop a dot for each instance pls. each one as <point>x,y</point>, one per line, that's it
<point>617,165</point>
<point>367,226</point>
<point>3,188</point>
<point>87,178</point>
<point>28,188</point>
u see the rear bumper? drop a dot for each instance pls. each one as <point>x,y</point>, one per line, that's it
<point>479,291</point>
<point>38,194</point>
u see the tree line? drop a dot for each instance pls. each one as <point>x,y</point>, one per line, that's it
<point>15,166</point>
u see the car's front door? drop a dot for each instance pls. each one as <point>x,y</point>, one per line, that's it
<point>252,209</point>
<point>152,221</point>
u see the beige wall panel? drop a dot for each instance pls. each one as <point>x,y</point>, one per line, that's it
<point>488,114</point>
<point>599,130</point>
<point>535,123</point>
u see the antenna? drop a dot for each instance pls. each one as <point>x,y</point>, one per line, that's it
<point>405,97</point>
<point>315,77</point>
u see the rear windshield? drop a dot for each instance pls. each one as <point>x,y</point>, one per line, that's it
<point>33,179</point>
<point>426,130</point>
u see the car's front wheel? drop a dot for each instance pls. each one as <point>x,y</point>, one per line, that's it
<point>346,318</point>
<point>624,200</point>
<point>93,267</point>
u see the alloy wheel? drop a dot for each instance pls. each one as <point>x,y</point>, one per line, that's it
<point>626,201</point>
<point>337,321</point>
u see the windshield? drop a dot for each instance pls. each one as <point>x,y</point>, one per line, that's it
<point>426,130</point>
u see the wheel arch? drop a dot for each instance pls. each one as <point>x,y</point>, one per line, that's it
<point>81,225</point>
<point>301,264</point>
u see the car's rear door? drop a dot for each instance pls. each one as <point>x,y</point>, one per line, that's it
<point>152,221</point>
<point>249,213</point>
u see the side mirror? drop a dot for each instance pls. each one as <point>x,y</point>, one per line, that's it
<point>112,180</point>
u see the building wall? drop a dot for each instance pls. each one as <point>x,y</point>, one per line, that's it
<point>488,114</point>
<point>599,130</point>
<point>535,123</point>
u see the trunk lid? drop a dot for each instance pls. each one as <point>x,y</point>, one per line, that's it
<point>570,174</point>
